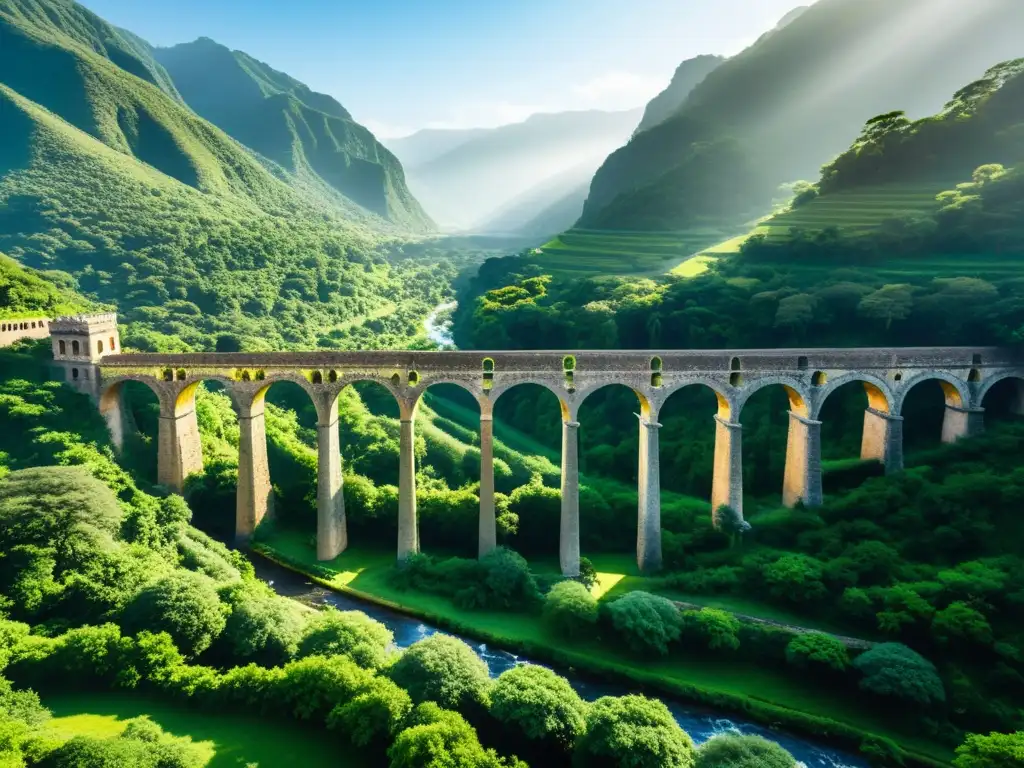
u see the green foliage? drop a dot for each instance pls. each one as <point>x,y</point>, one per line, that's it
<point>814,650</point>
<point>351,633</point>
<point>501,579</point>
<point>894,670</point>
<point>729,750</point>
<point>437,738</point>
<point>796,578</point>
<point>538,704</point>
<point>997,750</point>
<point>716,630</point>
<point>183,604</point>
<point>373,715</point>
<point>571,609</point>
<point>28,293</point>
<point>261,627</point>
<point>634,731</point>
<point>442,669</point>
<point>142,743</point>
<point>958,623</point>
<point>646,622</point>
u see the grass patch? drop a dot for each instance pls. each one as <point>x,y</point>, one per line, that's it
<point>582,253</point>
<point>729,683</point>
<point>229,739</point>
<point>860,210</point>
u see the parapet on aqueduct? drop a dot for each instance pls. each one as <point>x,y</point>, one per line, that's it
<point>808,376</point>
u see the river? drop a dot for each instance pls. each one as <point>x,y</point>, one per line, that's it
<point>440,333</point>
<point>700,724</point>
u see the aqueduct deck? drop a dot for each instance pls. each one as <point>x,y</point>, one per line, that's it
<point>808,376</point>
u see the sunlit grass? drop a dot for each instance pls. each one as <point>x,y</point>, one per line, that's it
<point>227,739</point>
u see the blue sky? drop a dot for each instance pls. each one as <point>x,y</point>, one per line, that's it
<point>401,65</point>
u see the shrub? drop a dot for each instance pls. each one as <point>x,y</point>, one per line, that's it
<point>142,744</point>
<point>372,715</point>
<point>795,578</point>
<point>312,687</point>
<point>959,623</point>
<point>717,630</point>
<point>183,604</point>
<point>633,731</point>
<point>815,649</point>
<point>646,622</point>
<point>997,750</point>
<point>894,670</point>
<point>438,738</point>
<point>571,609</point>
<point>507,581</point>
<point>261,627</point>
<point>539,704</point>
<point>730,750</point>
<point>588,573</point>
<point>443,669</point>
<point>351,633</point>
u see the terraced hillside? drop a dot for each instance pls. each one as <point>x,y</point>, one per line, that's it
<point>859,210</point>
<point>584,252</point>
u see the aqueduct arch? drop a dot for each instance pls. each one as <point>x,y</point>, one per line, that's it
<point>810,376</point>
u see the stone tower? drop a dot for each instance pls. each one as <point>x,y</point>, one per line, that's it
<point>79,343</point>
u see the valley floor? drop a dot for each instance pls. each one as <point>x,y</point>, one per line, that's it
<point>742,685</point>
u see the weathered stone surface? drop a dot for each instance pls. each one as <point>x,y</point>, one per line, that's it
<point>488,534</point>
<point>882,439</point>
<point>569,541</point>
<point>802,481</point>
<point>809,377</point>
<point>727,484</point>
<point>648,528</point>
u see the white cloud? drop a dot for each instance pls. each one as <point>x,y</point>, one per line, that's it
<point>485,114</point>
<point>384,130</point>
<point>618,90</point>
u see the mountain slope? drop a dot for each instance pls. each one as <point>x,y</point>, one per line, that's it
<point>689,74</point>
<point>307,133</point>
<point>429,144</point>
<point>108,178</point>
<point>475,181</point>
<point>795,98</point>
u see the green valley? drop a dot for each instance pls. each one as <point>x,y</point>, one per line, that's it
<point>736,483</point>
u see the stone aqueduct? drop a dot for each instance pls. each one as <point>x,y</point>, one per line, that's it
<point>808,376</point>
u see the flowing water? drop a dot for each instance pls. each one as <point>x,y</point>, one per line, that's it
<point>440,333</point>
<point>700,724</point>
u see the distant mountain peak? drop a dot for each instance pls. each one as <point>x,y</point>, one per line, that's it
<point>688,76</point>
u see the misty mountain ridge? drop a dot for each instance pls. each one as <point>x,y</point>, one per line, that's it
<point>468,186</point>
<point>797,97</point>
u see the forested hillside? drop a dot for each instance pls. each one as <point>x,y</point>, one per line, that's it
<point>307,133</point>
<point>107,177</point>
<point>967,161</point>
<point>798,96</point>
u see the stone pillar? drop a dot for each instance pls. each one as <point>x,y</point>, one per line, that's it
<point>1017,403</point>
<point>803,462</point>
<point>883,440</point>
<point>962,422</point>
<point>255,499</point>
<point>408,533</point>
<point>569,535</point>
<point>179,452</point>
<point>648,527</point>
<point>488,538</point>
<point>331,526</point>
<point>727,485</point>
